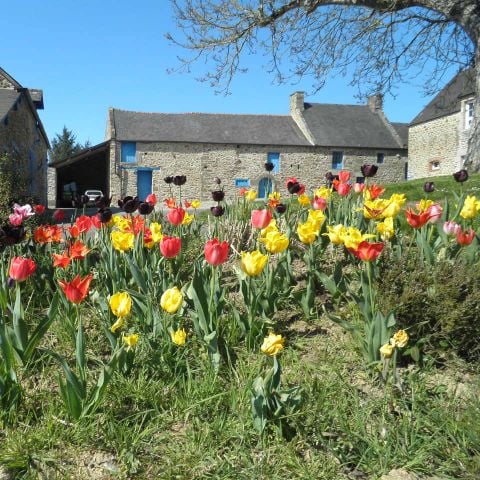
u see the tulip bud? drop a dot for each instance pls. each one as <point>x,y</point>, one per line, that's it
<point>168,179</point>
<point>217,211</point>
<point>294,187</point>
<point>218,195</point>
<point>369,170</point>
<point>179,180</point>
<point>269,166</point>
<point>103,202</point>
<point>104,215</point>
<point>461,176</point>
<point>281,208</point>
<point>145,208</point>
<point>428,187</point>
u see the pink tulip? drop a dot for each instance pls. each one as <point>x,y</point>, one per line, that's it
<point>261,218</point>
<point>15,219</point>
<point>176,215</point>
<point>435,212</point>
<point>451,227</point>
<point>319,203</point>
<point>358,187</point>
<point>344,176</point>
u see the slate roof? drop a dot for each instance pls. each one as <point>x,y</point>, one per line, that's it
<point>207,128</point>
<point>447,101</point>
<point>7,98</point>
<point>335,125</point>
<point>402,132</point>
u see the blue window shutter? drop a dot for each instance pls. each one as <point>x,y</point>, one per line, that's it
<point>274,157</point>
<point>337,160</point>
<point>129,152</point>
<point>242,182</point>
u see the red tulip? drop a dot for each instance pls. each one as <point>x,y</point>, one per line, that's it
<point>344,176</point>
<point>170,246</point>
<point>62,261</point>
<point>96,221</point>
<point>176,215</point>
<point>58,215</point>
<point>216,253</point>
<point>367,251</point>
<point>417,220</point>
<point>375,191</point>
<point>83,223</point>
<point>465,237</point>
<point>152,199</point>
<point>21,268</point>
<point>78,250</point>
<point>319,203</point>
<point>39,209</point>
<point>261,218</point>
<point>341,188</point>
<point>77,289</point>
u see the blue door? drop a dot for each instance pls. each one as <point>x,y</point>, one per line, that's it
<point>264,187</point>
<point>144,183</point>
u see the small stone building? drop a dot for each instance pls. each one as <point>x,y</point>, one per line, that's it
<point>312,140</point>
<point>438,135</point>
<point>23,137</point>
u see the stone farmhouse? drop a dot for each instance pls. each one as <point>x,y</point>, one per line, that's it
<point>23,137</point>
<point>143,148</point>
<point>438,135</point>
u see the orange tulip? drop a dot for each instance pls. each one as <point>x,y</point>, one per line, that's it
<point>465,237</point>
<point>77,289</point>
<point>61,261</point>
<point>367,251</point>
<point>78,250</point>
<point>417,221</point>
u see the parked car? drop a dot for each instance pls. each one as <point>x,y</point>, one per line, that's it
<point>92,195</point>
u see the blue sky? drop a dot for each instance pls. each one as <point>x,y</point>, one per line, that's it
<point>92,54</point>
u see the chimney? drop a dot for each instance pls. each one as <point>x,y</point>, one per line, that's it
<point>375,102</point>
<point>297,102</point>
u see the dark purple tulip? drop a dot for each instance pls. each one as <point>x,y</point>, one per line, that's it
<point>269,166</point>
<point>217,211</point>
<point>79,201</point>
<point>461,176</point>
<point>329,176</point>
<point>104,215</point>
<point>281,208</point>
<point>103,202</point>
<point>10,235</point>
<point>145,208</point>
<point>179,180</point>
<point>293,187</point>
<point>168,179</point>
<point>369,170</point>
<point>129,204</point>
<point>218,195</point>
<point>428,187</point>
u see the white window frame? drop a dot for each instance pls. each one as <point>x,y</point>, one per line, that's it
<point>469,113</point>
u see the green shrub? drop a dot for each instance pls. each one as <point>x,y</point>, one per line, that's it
<point>438,305</point>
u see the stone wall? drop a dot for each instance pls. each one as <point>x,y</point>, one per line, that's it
<point>22,139</point>
<point>431,142</point>
<point>201,163</point>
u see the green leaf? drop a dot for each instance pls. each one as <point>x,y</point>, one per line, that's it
<point>80,351</point>
<point>137,274</point>
<point>19,325</point>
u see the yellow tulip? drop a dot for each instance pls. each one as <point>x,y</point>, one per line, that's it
<point>395,204</point>
<point>121,304</point>
<point>274,196</point>
<point>375,209</point>
<point>122,241</point>
<point>399,339</point>
<point>336,233</point>
<point>353,237</point>
<point>272,344</point>
<point>307,232</point>
<point>253,263</point>
<point>156,229</point>
<point>385,229</point>
<point>118,324</point>
<point>424,204</point>
<point>304,200</point>
<point>250,195</point>
<point>317,217</point>
<point>387,350</point>
<point>131,340</point>
<point>471,207</point>
<point>179,337</point>
<point>275,242</point>
<point>323,192</point>
<point>171,300</point>
<point>271,227</point>
<point>187,219</point>
<point>196,204</point>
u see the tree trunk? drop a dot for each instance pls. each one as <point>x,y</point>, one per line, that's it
<point>473,152</point>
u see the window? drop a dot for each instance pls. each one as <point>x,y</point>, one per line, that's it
<point>242,182</point>
<point>129,152</point>
<point>380,158</point>
<point>274,157</point>
<point>468,115</point>
<point>435,165</point>
<point>337,160</point>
